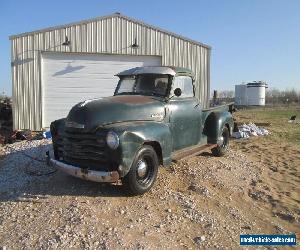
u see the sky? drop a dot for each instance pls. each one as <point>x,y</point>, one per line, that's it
<point>250,39</point>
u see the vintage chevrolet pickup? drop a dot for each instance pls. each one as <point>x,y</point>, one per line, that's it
<point>152,119</point>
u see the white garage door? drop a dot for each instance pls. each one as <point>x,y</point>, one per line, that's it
<point>70,78</point>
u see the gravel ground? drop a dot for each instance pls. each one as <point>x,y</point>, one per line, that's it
<point>203,202</point>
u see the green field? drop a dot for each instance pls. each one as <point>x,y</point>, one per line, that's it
<point>278,118</point>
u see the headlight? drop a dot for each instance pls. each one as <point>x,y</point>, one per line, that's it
<point>112,140</point>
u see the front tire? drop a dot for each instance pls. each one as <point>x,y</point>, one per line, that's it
<point>223,146</point>
<point>143,171</point>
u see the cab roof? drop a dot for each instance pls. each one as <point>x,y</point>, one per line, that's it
<point>164,70</point>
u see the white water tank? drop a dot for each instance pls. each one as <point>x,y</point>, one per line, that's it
<point>240,94</point>
<point>256,93</point>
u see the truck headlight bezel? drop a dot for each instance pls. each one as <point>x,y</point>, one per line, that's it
<point>112,140</point>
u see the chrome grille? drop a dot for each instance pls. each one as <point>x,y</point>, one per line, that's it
<point>85,150</point>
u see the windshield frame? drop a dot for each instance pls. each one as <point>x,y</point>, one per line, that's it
<point>170,80</point>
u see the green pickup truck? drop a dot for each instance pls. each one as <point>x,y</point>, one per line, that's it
<point>152,119</point>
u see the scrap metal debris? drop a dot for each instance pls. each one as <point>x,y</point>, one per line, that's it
<point>247,130</point>
<point>7,134</point>
<point>5,120</point>
<point>23,135</point>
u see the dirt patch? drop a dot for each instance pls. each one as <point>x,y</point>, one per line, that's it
<point>277,189</point>
<point>202,202</point>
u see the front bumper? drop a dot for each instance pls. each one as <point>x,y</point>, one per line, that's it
<point>85,174</point>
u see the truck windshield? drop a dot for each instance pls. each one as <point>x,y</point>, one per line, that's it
<point>147,84</point>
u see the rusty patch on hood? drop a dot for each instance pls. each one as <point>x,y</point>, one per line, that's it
<point>132,99</point>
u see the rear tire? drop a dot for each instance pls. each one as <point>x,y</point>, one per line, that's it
<point>143,171</point>
<point>223,146</point>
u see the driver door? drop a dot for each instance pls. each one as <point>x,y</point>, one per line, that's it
<point>185,114</point>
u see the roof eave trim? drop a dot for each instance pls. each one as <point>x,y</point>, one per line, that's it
<point>105,17</point>
<point>63,26</point>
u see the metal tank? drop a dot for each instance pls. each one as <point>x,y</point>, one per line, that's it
<point>256,93</point>
<point>240,94</point>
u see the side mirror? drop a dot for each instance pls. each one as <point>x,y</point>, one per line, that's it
<point>177,92</point>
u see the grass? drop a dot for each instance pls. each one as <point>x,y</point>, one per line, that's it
<point>278,118</point>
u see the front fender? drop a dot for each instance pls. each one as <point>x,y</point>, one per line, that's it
<point>214,125</point>
<point>133,135</point>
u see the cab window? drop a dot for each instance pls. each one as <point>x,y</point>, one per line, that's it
<point>185,83</point>
<point>144,84</point>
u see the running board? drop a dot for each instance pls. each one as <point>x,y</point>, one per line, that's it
<point>190,151</point>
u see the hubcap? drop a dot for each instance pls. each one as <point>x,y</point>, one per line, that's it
<point>142,169</point>
<point>221,140</point>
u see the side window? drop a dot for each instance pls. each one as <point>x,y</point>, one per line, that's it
<point>185,83</point>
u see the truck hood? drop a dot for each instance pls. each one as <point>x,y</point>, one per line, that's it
<point>90,114</point>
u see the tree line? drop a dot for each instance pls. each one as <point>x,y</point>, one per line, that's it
<point>273,96</point>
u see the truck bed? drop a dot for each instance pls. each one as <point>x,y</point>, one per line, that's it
<point>221,108</point>
<point>225,107</point>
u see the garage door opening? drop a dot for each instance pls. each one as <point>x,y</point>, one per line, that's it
<point>69,78</point>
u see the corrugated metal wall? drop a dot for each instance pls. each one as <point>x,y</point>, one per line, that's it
<point>111,34</point>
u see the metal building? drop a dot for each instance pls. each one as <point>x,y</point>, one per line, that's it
<point>240,96</point>
<point>55,68</point>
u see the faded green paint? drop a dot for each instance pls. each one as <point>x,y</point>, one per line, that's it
<point>185,122</point>
<point>134,134</point>
<point>171,123</point>
<point>107,110</point>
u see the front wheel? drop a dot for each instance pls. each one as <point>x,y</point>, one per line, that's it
<point>223,143</point>
<point>143,171</point>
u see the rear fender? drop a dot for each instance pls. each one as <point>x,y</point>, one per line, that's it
<point>214,124</point>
